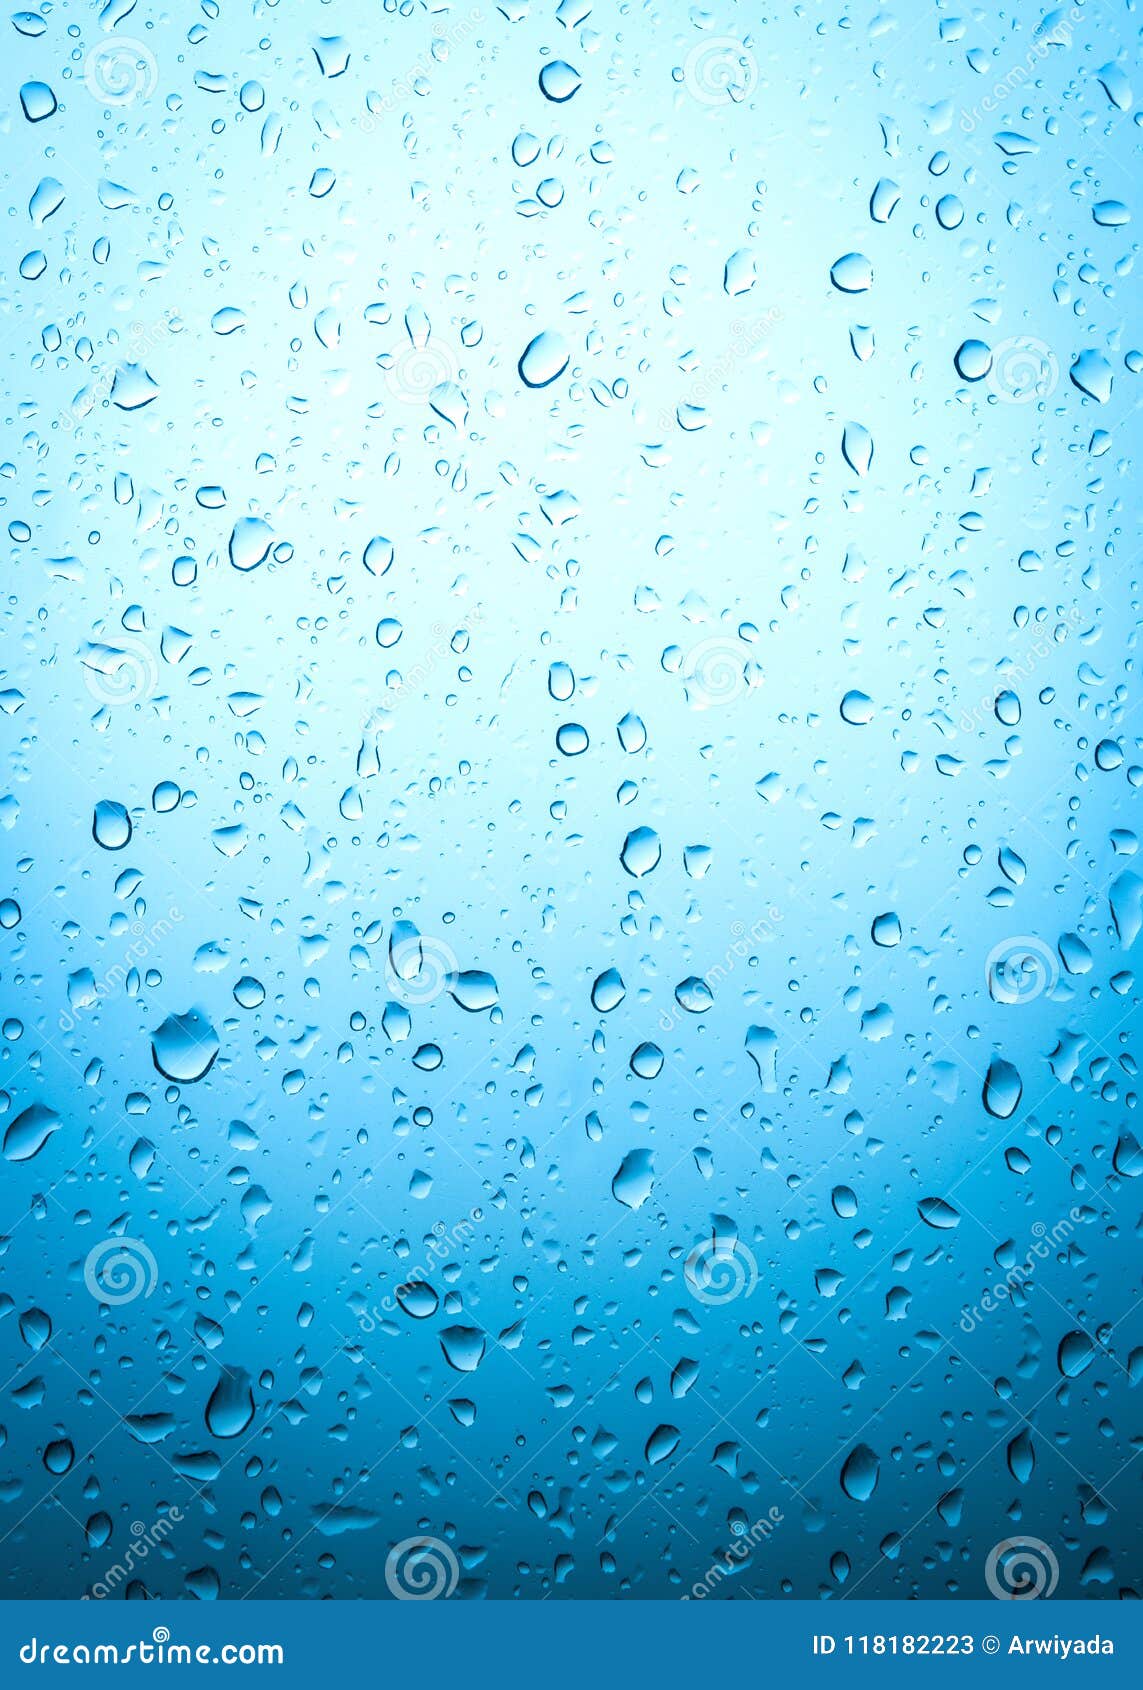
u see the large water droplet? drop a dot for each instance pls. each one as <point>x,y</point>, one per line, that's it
<point>543,359</point>
<point>935,1212</point>
<point>184,1047</point>
<point>1075,1354</point>
<point>860,1473</point>
<point>30,1131</point>
<point>558,81</point>
<point>852,273</point>
<point>608,991</point>
<point>641,852</point>
<point>111,825</point>
<point>1003,1089</point>
<point>230,1408</point>
<point>463,1347</point>
<point>634,1179</point>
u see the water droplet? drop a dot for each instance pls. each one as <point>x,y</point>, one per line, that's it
<point>935,1212</point>
<point>463,1347</point>
<point>30,1131</point>
<point>1075,1354</point>
<point>543,359</point>
<point>973,360</point>
<point>857,709</point>
<point>1003,1089</point>
<point>857,447</point>
<point>184,1047</point>
<point>634,1179</point>
<point>642,851</point>
<point>852,273</point>
<point>608,991</point>
<point>230,1407</point>
<point>111,825</point>
<point>663,1442</point>
<point>558,81</point>
<point>860,1473</point>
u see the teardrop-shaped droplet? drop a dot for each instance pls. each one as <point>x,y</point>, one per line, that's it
<point>111,825</point>
<point>860,1473</point>
<point>231,1406</point>
<point>1003,1089</point>
<point>935,1212</point>
<point>664,1440</point>
<point>1075,1354</point>
<point>543,359</point>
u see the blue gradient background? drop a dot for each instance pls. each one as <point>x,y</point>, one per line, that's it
<point>728,584</point>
